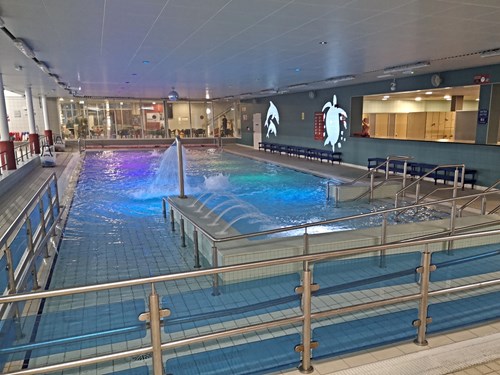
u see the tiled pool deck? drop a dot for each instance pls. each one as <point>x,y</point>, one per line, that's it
<point>393,358</point>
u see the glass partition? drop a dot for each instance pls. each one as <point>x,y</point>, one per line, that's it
<point>120,118</point>
<point>442,115</point>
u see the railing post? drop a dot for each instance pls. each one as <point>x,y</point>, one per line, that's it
<point>172,220</point>
<point>305,366</point>
<point>422,321</point>
<point>405,170</point>
<point>183,233</point>
<point>453,213</point>
<point>42,224</point>
<point>154,316</point>
<point>383,240</point>
<point>31,251</point>
<point>10,271</point>
<point>306,242</point>
<point>215,277</point>
<point>51,208</point>
<point>483,205</point>
<point>417,192</point>
<point>196,249</point>
<point>164,208</point>
<point>372,184</point>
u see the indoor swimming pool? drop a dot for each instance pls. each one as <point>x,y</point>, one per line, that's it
<point>115,231</point>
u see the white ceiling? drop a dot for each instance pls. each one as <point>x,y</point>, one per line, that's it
<point>231,47</point>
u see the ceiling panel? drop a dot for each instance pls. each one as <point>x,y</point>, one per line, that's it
<point>235,46</point>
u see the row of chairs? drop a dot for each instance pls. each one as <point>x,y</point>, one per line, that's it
<point>415,169</point>
<point>299,151</point>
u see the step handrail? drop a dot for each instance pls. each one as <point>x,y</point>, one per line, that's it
<point>376,168</point>
<point>483,202</point>
<point>421,178</point>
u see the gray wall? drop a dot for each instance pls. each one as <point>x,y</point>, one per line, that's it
<point>296,125</point>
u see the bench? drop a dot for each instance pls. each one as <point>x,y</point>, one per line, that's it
<point>299,151</point>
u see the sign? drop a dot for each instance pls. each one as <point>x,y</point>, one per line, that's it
<point>482,117</point>
<point>319,126</point>
<point>481,79</point>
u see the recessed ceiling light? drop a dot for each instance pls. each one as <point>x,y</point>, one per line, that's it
<point>323,42</point>
<point>386,96</point>
<point>477,99</point>
<point>447,97</point>
<point>428,93</point>
<point>418,98</point>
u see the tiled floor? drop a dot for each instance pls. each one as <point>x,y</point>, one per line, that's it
<point>172,262</point>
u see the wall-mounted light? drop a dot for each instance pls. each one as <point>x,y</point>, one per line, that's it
<point>393,85</point>
<point>24,48</point>
<point>407,67</point>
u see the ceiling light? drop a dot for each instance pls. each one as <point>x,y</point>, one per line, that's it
<point>173,95</point>
<point>341,79</point>
<point>447,97</point>
<point>491,53</point>
<point>146,62</point>
<point>407,67</point>
<point>24,48</point>
<point>298,70</point>
<point>297,86</point>
<point>82,102</point>
<point>268,91</point>
<point>323,42</point>
<point>418,98</point>
<point>428,93</point>
<point>44,67</point>
<point>384,76</point>
<point>386,96</point>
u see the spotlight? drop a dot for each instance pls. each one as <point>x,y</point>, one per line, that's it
<point>173,95</point>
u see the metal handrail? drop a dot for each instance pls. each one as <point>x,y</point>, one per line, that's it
<point>376,168</point>
<point>27,208</point>
<point>310,225</point>
<point>304,317</point>
<point>421,178</point>
<point>483,206</point>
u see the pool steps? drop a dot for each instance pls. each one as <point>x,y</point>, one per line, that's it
<point>251,250</point>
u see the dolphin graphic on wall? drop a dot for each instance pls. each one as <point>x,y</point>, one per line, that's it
<point>335,123</point>
<point>272,119</point>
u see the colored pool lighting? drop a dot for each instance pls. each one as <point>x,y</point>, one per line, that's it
<point>146,62</point>
<point>298,70</point>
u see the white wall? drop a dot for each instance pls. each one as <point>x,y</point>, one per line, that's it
<point>18,114</point>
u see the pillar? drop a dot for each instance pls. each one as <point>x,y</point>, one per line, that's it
<point>7,155</point>
<point>48,132</point>
<point>33,136</point>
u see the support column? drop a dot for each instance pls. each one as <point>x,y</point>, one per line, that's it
<point>7,156</point>
<point>33,137</point>
<point>48,131</point>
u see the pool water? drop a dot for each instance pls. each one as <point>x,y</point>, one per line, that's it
<point>248,194</point>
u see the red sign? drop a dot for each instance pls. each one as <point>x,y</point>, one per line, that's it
<point>319,126</point>
<point>481,79</point>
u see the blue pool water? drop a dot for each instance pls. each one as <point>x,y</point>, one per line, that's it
<point>253,195</point>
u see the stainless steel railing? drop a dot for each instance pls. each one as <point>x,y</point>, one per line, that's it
<point>483,201</point>
<point>305,317</point>
<point>37,237</point>
<point>417,182</point>
<point>372,172</point>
